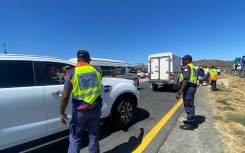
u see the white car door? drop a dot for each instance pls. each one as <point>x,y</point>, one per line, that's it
<point>106,99</point>
<point>164,68</point>
<point>53,90</point>
<point>22,104</point>
<point>154,68</point>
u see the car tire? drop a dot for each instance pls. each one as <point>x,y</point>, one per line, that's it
<point>124,113</point>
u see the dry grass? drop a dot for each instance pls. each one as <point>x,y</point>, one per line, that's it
<point>229,113</point>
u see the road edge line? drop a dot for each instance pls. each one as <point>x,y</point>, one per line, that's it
<point>154,131</point>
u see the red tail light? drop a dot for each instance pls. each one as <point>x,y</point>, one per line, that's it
<point>172,76</point>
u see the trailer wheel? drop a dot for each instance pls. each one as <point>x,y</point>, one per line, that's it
<point>154,87</point>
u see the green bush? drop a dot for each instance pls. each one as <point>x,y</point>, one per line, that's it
<point>218,117</point>
<point>229,108</point>
<point>223,101</point>
<point>236,118</point>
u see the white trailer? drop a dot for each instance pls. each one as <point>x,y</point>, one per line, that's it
<point>164,69</point>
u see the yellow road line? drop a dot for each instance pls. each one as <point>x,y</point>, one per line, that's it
<point>148,138</point>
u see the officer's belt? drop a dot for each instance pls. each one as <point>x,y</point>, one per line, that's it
<point>192,85</point>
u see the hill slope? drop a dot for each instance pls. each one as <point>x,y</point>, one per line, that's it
<point>219,63</point>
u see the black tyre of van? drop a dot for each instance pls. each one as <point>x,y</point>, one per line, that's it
<point>154,87</point>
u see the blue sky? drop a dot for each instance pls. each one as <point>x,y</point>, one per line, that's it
<point>127,30</point>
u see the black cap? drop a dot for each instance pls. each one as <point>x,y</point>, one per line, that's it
<point>187,57</point>
<point>83,54</point>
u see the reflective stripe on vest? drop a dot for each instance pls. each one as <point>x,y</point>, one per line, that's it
<point>86,94</point>
<point>86,84</point>
<point>193,77</point>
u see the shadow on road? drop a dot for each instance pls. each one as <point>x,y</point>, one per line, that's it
<point>108,128</point>
<point>199,120</point>
<point>167,89</point>
<point>140,88</point>
<point>129,146</point>
<point>105,131</point>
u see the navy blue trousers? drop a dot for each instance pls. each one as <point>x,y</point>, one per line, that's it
<point>213,85</point>
<point>81,120</point>
<point>188,98</point>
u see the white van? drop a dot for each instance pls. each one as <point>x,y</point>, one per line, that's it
<point>113,68</point>
<point>164,69</point>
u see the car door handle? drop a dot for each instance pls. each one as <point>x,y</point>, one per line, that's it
<point>58,92</point>
<point>107,88</point>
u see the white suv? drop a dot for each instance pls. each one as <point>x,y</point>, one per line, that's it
<point>141,74</point>
<point>30,102</point>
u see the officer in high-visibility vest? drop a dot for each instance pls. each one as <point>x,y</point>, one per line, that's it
<point>188,88</point>
<point>213,77</point>
<point>84,82</point>
<point>181,77</point>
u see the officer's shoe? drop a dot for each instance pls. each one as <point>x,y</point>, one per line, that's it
<point>185,121</point>
<point>187,126</point>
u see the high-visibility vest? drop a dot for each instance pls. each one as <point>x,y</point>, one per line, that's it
<point>86,84</point>
<point>193,77</point>
<point>181,77</point>
<point>213,74</point>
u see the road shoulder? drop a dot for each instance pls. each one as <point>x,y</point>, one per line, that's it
<point>204,138</point>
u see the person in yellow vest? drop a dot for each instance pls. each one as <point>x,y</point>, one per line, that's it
<point>213,77</point>
<point>188,87</point>
<point>84,83</point>
<point>181,77</point>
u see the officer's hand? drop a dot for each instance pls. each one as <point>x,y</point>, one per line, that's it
<point>63,119</point>
<point>177,96</point>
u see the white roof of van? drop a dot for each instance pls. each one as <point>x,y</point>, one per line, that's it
<point>161,54</point>
<point>30,57</point>
<point>74,60</point>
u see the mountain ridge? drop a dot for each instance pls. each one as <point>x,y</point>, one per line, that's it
<point>219,63</point>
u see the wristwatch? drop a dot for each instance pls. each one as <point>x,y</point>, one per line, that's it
<point>63,115</point>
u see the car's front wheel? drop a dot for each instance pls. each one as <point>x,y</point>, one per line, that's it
<point>124,113</point>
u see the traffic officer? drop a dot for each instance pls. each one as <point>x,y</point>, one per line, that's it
<point>84,82</point>
<point>213,77</point>
<point>188,87</point>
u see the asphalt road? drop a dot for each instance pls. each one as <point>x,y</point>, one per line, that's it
<point>153,106</point>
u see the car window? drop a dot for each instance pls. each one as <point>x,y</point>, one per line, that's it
<point>54,72</point>
<point>119,70</point>
<point>107,70</point>
<point>16,74</point>
<point>131,70</point>
<point>113,70</point>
